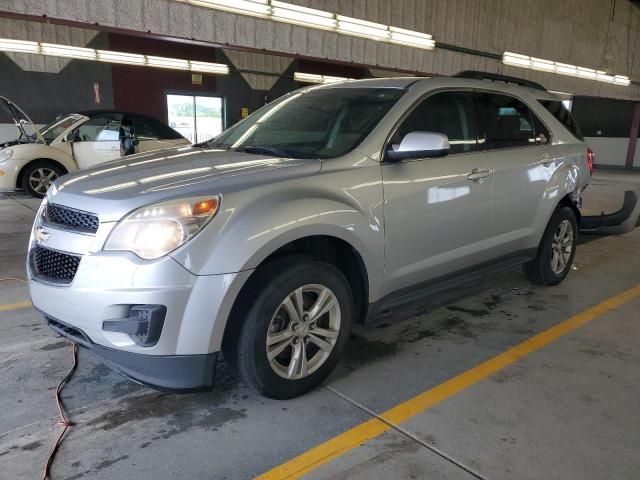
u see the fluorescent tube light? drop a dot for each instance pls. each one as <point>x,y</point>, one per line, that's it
<point>108,56</point>
<point>412,39</point>
<point>541,64</point>
<point>285,12</point>
<point>67,51</point>
<point>516,59</point>
<point>532,63</point>
<point>330,79</point>
<point>362,28</point>
<point>255,8</point>
<point>20,46</point>
<point>622,80</point>
<point>314,78</point>
<point>121,57</point>
<point>206,67</point>
<point>171,63</point>
<point>288,13</point>
<point>307,77</point>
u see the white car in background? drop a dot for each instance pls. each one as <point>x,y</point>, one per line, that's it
<point>75,141</point>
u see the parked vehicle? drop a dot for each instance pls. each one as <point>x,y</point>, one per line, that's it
<point>75,141</point>
<point>270,241</point>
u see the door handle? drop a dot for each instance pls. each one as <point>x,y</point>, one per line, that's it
<point>547,160</point>
<point>477,174</point>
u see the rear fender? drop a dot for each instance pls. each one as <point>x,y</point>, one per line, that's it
<point>565,182</point>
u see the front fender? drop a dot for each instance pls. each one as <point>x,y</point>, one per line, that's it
<point>253,224</point>
<point>26,153</point>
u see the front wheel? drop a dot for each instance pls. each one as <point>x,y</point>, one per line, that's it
<point>556,250</point>
<point>38,176</point>
<point>294,334</point>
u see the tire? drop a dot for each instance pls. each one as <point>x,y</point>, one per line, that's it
<point>553,260</point>
<point>38,175</point>
<point>245,347</point>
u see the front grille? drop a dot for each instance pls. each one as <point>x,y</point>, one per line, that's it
<point>71,218</point>
<point>68,331</point>
<point>53,265</point>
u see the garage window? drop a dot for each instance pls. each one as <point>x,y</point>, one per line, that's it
<point>198,118</point>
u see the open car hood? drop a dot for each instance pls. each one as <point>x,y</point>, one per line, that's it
<point>28,132</point>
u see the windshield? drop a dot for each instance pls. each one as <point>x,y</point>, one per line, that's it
<point>316,123</point>
<point>52,130</point>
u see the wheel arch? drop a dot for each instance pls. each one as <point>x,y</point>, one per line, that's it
<point>327,248</point>
<point>24,168</point>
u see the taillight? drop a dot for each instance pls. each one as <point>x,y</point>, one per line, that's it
<point>591,156</point>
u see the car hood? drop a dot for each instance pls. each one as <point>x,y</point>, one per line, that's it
<point>28,132</point>
<point>115,188</point>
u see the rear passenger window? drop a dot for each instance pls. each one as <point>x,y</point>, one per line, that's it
<point>503,122</point>
<point>450,113</point>
<point>540,130</point>
<point>144,131</point>
<point>563,115</point>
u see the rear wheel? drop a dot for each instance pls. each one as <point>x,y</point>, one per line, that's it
<point>38,176</point>
<point>556,250</point>
<point>295,332</point>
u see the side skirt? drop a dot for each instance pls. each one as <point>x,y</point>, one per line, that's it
<point>440,284</point>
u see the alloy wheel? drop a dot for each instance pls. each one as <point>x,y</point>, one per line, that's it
<point>561,247</point>
<point>40,180</point>
<point>303,331</point>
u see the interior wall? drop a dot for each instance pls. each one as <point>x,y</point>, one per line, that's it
<point>44,95</point>
<point>588,33</point>
<point>142,90</point>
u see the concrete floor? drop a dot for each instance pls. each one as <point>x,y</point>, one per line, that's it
<point>569,410</point>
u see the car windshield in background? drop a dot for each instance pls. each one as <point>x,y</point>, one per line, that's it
<point>52,130</point>
<point>317,123</point>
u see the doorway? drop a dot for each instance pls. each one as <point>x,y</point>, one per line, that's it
<point>198,118</point>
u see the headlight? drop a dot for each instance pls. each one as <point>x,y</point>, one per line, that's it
<point>5,154</point>
<point>155,230</point>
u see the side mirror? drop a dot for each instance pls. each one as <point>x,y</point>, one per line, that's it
<point>420,145</point>
<point>70,137</point>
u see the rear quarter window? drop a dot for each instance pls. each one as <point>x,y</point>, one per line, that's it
<point>558,110</point>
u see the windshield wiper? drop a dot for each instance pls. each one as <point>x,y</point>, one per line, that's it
<point>264,150</point>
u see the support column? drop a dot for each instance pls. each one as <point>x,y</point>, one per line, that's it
<point>633,137</point>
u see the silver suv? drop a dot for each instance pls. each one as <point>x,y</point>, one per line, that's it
<point>270,241</point>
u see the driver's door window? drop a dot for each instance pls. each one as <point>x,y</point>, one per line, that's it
<point>449,113</point>
<point>97,140</point>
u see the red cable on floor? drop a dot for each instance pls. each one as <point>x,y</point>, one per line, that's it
<point>64,421</point>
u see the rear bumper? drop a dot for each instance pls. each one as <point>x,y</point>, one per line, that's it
<point>614,222</point>
<point>184,373</point>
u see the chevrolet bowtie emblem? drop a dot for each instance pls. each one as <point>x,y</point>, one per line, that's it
<point>42,235</point>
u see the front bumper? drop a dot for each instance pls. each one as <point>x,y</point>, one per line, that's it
<point>105,288</point>
<point>165,372</point>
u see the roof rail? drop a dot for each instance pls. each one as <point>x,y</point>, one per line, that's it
<point>496,77</point>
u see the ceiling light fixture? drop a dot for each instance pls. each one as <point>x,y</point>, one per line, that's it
<point>308,17</point>
<point>206,67</point>
<point>549,66</point>
<point>121,57</point>
<point>170,63</point>
<point>319,19</point>
<point>256,8</point>
<point>20,46</point>
<point>315,78</point>
<point>67,51</point>
<point>109,56</point>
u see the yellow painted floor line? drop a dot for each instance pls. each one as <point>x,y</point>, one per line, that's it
<point>14,306</point>
<point>370,429</point>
